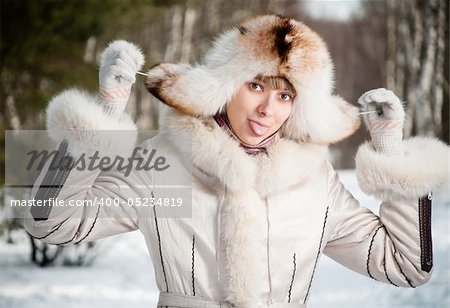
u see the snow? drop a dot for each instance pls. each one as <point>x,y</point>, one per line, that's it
<point>122,276</point>
<point>335,286</point>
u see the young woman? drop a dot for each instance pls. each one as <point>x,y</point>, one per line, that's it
<point>266,203</point>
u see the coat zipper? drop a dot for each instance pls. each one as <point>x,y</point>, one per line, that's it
<point>426,247</point>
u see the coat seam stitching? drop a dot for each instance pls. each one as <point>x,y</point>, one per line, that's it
<point>370,250</point>
<point>400,268</point>
<point>318,254</point>
<point>159,246</point>
<point>292,279</point>
<point>384,264</point>
<point>42,237</point>
<point>92,227</point>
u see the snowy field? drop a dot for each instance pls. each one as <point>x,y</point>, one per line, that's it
<point>122,275</point>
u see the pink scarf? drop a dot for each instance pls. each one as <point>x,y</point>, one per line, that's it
<point>224,123</point>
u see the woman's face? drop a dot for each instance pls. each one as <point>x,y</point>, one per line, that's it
<point>257,111</point>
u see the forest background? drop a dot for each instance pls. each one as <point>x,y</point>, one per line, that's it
<point>47,46</point>
<point>50,45</point>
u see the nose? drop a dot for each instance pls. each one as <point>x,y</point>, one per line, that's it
<point>266,106</point>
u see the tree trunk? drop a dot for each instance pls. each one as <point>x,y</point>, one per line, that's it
<point>415,61</point>
<point>173,46</point>
<point>188,29</point>
<point>13,115</point>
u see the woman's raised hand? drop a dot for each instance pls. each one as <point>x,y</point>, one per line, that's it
<point>119,63</point>
<point>384,116</point>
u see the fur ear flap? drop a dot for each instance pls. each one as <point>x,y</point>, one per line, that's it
<point>322,120</point>
<point>191,90</point>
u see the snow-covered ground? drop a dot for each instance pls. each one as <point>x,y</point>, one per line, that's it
<point>122,276</point>
<point>335,286</point>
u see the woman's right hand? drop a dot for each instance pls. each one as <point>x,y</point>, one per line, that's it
<point>119,63</point>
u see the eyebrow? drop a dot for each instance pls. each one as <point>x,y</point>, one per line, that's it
<point>256,80</point>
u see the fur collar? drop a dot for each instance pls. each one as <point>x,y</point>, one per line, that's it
<point>218,155</point>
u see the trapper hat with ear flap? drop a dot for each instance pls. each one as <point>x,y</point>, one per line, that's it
<point>269,45</point>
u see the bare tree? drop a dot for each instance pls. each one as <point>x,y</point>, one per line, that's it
<point>188,28</point>
<point>415,61</point>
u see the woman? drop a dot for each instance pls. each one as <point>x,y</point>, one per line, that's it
<point>266,203</point>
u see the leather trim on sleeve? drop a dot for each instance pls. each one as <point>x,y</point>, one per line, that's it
<point>426,245</point>
<point>52,182</point>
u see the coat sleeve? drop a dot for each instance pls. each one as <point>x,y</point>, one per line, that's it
<point>94,201</point>
<point>394,247</point>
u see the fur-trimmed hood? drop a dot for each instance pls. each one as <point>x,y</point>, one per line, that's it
<point>268,45</point>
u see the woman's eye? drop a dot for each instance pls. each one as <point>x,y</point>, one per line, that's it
<point>255,86</point>
<point>286,97</point>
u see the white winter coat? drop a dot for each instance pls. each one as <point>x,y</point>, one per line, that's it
<point>259,223</point>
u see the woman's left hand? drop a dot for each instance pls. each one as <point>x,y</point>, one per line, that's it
<point>384,118</point>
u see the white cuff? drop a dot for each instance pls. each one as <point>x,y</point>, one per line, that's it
<point>75,115</point>
<point>424,166</point>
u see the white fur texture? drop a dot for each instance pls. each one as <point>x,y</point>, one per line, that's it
<point>321,119</point>
<point>275,170</point>
<point>241,245</point>
<point>424,166</point>
<point>74,115</point>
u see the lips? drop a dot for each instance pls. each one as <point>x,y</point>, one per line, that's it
<point>258,128</point>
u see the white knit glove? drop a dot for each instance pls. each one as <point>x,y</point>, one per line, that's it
<point>386,124</point>
<point>119,63</point>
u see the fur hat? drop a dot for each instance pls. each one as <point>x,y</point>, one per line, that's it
<point>269,45</point>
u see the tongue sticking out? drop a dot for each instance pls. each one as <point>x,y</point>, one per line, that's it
<point>257,129</point>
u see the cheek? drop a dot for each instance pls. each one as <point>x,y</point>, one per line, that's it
<point>285,112</point>
<point>243,104</point>
<point>236,113</point>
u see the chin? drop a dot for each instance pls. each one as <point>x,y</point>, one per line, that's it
<point>253,141</point>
